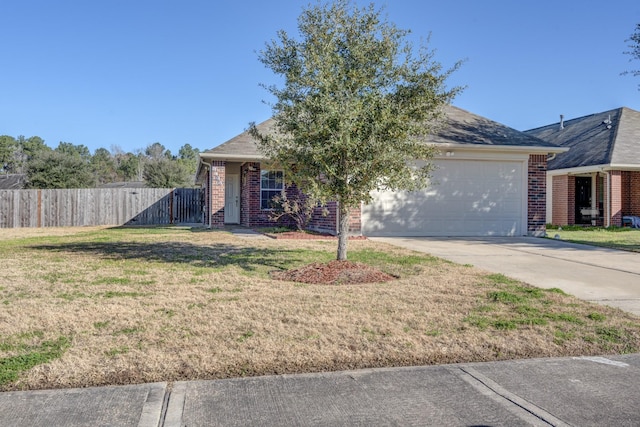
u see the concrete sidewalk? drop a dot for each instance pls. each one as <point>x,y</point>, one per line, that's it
<point>601,275</point>
<point>536,392</point>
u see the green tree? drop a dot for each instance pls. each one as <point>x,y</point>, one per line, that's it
<point>355,103</point>
<point>189,157</point>
<point>634,45</point>
<point>129,168</point>
<point>157,151</point>
<point>166,173</point>
<point>128,165</point>
<point>57,169</point>
<point>8,148</point>
<point>104,166</point>
<point>28,148</point>
<point>70,149</point>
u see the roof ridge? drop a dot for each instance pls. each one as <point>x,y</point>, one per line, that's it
<point>618,109</point>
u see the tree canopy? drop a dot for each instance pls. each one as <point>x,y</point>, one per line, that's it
<point>634,45</point>
<point>73,166</point>
<point>356,101</point>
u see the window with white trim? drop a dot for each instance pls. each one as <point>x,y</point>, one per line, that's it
<point>271,184</point>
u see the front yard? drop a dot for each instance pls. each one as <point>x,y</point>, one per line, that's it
<point>95,306</point>
<point>627,239</point>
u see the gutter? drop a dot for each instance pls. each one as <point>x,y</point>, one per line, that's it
<point>233,157</point>
<point>503,148</point>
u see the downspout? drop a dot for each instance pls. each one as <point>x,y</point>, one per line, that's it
<point>208,196</point>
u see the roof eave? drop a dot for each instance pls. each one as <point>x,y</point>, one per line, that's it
<point>594,168</point>
<point>231,157</point>
<point>503,148</point>
<point>623,166</point>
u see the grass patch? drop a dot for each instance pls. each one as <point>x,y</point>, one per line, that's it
<point>500,279</point>
<point>29,356</point>
<point>128,299</point>
<point>505,297</point>
<point>118,294</point>
<point>116,351</point>
<point>624,238</point>
<point>598,317</point>
<point>112,281</point>
<point>101,325</point>
<point>555,291</point>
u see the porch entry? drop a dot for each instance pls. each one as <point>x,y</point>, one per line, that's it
<point>232,199</point>
<point>585,213</point>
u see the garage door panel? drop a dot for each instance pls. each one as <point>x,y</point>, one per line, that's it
<point>466,198</point>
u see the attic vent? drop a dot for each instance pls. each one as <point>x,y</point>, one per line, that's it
<point>561,121</point>
<point>607,122</point>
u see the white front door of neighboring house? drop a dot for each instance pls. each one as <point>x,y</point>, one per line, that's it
<point>232,199</point>
<point>467,198</point>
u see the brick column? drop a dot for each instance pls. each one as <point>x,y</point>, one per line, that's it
<point>571,200</point>
<point>250,213</point>
<point>537,205</point>
<point>616,197</point>
<point>634,193</point>
<point>217,193</point>
<point>560,200</point>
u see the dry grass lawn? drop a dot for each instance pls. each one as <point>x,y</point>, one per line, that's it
<point>95,306</point>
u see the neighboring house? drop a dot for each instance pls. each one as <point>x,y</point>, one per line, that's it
<point>489,181</point>
<point>597,181</point>
<point>14,181</point>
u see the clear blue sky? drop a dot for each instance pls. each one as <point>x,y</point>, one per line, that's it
<point>134,72</point>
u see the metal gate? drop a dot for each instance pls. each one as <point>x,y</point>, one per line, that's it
<point>186,205</point>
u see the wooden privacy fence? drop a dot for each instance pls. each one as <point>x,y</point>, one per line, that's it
<point>99,206</point>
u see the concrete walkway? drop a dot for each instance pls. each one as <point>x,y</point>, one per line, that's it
<point>586,391</point>
<point>601,275</point>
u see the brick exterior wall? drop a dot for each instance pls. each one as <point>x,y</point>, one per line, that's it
<point>324,218</point>
<point>537,205</point>
<point>217,193</point>
<point>630,193</point>
<point>355,224</point>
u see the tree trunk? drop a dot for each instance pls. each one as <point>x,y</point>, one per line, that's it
<point>343,234</point>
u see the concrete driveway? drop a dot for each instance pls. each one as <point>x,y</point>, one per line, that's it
<point>605,276</point>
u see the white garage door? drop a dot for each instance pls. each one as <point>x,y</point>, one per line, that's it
<point>466,198</point>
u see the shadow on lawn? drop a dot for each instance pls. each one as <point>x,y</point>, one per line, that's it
<point>210,256</point>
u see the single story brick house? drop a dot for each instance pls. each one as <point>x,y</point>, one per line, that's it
<point>597,182</point>
<point>490,180</point>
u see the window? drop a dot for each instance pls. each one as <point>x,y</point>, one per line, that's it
<point>271,184</point>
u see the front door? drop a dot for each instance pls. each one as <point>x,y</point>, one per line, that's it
<point>232,199</point>
<point>583,200</point>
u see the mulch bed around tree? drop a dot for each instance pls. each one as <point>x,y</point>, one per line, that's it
<point>334,273</point>
<point>304,235</point>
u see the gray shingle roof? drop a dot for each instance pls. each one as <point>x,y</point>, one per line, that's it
<point>242,144</point>
<point>465,128</point>
<point>460,128</point>
<point>593,142</point>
